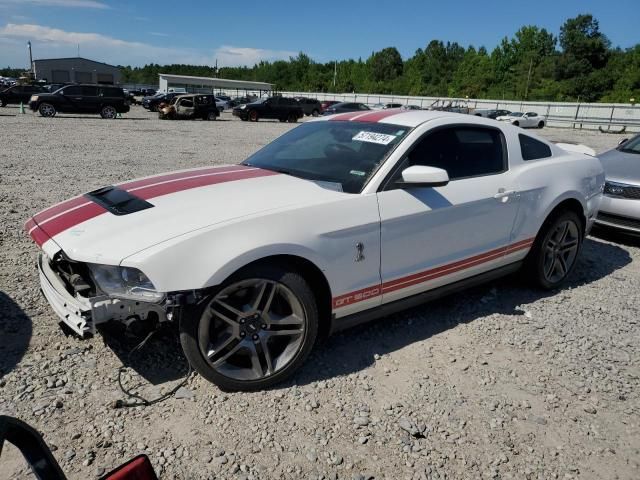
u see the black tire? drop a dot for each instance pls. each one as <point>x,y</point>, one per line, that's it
<point>541,124</point>
<point>211,116</point>
<point>292,118</point>
<point>541,256</point>
<point>108,112</point>
<point>3,103</point>
<point>282,120</point>
<point>516,123</point>
<point>253,116</point>
<point>315,113</point>
<point>190,328</point>
<point>47,110</point>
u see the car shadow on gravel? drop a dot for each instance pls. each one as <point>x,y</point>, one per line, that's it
<point>353,350</point>
<point>158,361</point>
<point>15,334</point>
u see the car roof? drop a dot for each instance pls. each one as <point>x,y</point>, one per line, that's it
<point>406,118</point>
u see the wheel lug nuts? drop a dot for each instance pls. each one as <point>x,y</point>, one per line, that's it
<point>255,337</point>
<point>242,334</point>
<point>264,325</point>
<point>242,320</point>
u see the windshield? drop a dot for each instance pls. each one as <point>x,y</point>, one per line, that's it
<point>516,114</point>
<point>631,146</point>
<point>344,154</point>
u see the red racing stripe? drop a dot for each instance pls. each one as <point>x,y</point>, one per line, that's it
<point>59,208</point>
<point>431,274</point>
<point>346,116</point>
<point>78,212</point>
<point>196,181</point>
<point>176,175</point>
<point>379,115</point>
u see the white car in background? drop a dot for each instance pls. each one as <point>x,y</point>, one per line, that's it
<point>221,104</point>
<point>524,120</point>
<point>340,220</point>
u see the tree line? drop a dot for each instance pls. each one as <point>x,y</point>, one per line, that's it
<point>579,64</point>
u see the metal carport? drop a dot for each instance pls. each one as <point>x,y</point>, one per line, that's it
<point>190,83</point>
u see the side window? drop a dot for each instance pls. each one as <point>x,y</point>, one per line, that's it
<point>532,114</point>
<point>90,91</point>
<point>362,106</point>
<point>533,149</point>
<point>72,90</point>
<point>462,151</point>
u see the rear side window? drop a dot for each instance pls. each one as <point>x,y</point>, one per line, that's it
<point>533,149</point>
<point>111,92</point>
<point>462,151</point>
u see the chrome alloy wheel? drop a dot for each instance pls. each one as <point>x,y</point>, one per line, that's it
<point>47,110</point>
<point>560,251</point>
<point>252,329</point>
<point>108,112</point>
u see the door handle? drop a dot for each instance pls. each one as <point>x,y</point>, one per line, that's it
<point>504,194</point>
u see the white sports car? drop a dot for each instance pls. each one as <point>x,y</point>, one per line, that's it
<point>524,120</point>
<point>338,221</point>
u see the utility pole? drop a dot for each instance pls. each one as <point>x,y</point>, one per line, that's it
<point>30,60</point>
<point>526,90</point>
<point>335,73</point>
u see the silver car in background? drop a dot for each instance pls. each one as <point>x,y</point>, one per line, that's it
<point>620,207</point>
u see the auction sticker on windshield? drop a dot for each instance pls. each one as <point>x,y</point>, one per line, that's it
<point>372,137</point>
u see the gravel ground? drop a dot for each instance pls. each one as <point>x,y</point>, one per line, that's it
<point>499,382</point>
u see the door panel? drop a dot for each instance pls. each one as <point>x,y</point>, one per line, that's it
<point>432,236</point>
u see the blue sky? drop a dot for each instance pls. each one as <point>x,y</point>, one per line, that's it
<point>237,33</point>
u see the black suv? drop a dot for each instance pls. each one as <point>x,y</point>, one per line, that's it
<point>281,108</point>
<point>106,100</point>
<point>153,102</point>
<point>18,93</point>
<point>310,106</point>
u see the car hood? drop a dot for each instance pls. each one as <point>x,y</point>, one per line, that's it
<point>90,230</point>
<point>621,166</point>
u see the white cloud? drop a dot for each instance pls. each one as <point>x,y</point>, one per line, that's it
<point>229,56</point>
<point>53,42</point>
<point>58,3</point>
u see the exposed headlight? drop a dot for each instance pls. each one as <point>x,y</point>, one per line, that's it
<point>125,282</point>
<point>614,189</point>
<point>243,107</point>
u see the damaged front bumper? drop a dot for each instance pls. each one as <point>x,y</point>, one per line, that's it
<point>82,314</point>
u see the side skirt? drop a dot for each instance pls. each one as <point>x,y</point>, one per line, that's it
<point>343,323</point>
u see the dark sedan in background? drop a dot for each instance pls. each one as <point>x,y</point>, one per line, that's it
<point>19,94</point>
<point>345,107</point>
<point>620,207</point>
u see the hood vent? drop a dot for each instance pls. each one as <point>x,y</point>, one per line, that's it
<point>117,201</point>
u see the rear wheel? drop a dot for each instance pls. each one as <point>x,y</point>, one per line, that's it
<point>212,116</point>
<point>516,123</point>
<point>108,112</point>
<point>47,110</point>
<point>555,250</point>
<point>2,102</point>
<point>253,116</point>
<point>254,331</point>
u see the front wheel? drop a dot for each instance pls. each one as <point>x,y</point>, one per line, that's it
<point>108,112</point>
<point>255,331</point>
<point>555,251</point>
<point>292,118</point>
<point>47,110</point>
<point>541,124</point>
<point>516,123</point>
<point>3,102</point>
<point>211,116</point>
<point>253,116</point>
<point>315,113</point>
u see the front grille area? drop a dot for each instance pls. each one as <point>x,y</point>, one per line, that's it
<point>627,191</point>
<point>619,220</point>
<point>74,275</point>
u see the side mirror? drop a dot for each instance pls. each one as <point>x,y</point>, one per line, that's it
<point>423,176</point>
<point>624,140</point>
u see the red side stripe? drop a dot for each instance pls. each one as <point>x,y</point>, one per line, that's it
<point>379,115</point>
<point>427,275</point>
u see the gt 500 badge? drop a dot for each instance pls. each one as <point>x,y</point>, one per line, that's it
<point>372,137</point>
